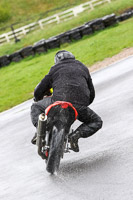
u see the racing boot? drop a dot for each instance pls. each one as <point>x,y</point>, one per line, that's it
<point>34,139</point>
<point>73,139</point>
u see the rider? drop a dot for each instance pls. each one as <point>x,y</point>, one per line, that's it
<point>71,82</point>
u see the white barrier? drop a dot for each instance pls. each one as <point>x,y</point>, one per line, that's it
<point>57,18</point>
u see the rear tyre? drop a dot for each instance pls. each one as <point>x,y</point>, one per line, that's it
<point>55,150</point>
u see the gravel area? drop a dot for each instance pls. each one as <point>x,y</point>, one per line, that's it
<point>108,61</point>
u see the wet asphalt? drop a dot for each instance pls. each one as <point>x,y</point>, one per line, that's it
<point>102,170</point>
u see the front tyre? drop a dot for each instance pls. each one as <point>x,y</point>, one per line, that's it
<point>55,150</point>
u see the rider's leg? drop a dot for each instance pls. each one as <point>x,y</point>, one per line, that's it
<point>39,107</point>
<point>91,124</point>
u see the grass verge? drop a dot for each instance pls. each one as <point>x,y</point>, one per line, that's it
<point>18,80</point>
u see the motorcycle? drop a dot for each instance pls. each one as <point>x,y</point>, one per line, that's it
<point>54,127</point>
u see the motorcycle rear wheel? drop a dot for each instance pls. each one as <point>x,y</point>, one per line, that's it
<point>55,150</point>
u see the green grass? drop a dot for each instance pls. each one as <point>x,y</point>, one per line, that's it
<point>18,80</point>
<point>21,10</point>
<point>117,6</point>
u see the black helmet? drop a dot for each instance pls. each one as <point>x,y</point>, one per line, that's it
<point>61,55</point>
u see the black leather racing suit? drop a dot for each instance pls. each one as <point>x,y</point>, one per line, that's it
<point>71,81</point>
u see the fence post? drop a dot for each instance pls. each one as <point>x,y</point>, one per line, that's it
<point>7,38</point>
<point>74,13</point>
<point>58,19</point>
<point>24,31</point>
<point>91,6</point>
<point>77,10</point>
<point>40,24</point>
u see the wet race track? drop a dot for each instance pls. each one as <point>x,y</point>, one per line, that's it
<point>102,170</point>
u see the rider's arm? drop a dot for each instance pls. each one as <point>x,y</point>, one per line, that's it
<point>42,88</point>
<point>89,83</point>
<point>91,88</point>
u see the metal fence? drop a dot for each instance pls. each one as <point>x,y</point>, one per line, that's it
<point>57,18</point>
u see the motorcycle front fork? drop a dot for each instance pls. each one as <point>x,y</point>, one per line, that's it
<point>45,147</point>
<point>66,146</point>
